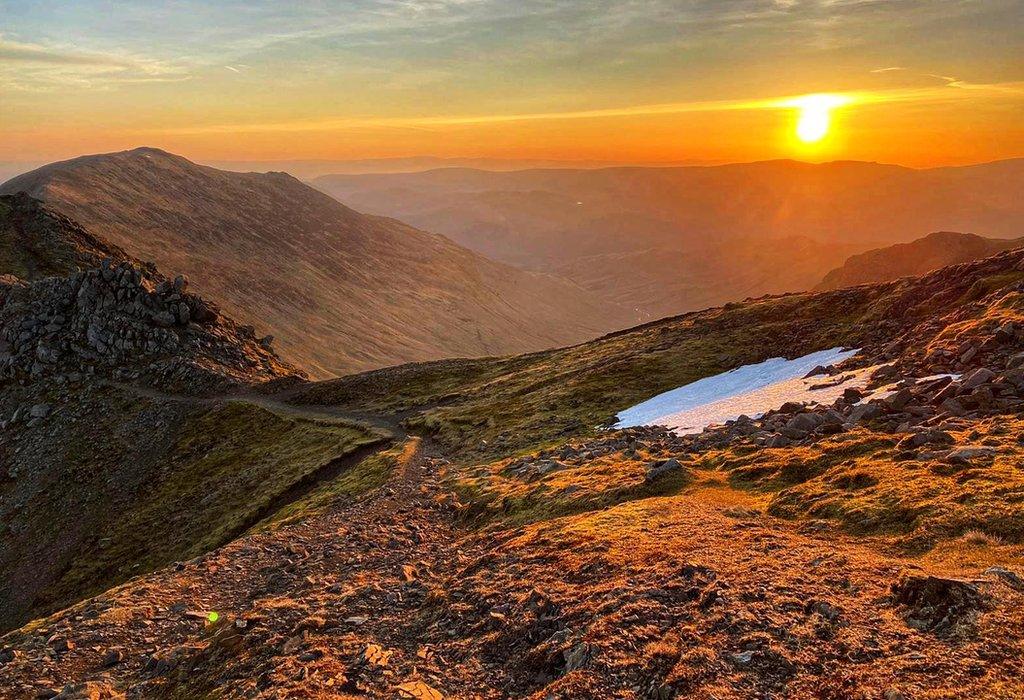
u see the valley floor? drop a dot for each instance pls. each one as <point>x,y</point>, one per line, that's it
<point>693,594</point>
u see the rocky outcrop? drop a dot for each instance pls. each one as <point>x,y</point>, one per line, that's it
<point>121,320</point>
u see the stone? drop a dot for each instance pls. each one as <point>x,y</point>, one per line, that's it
<point>164,319</point>
<point>112,658</point>
<point>964,455</point>
<point>976,378</point>
<point>657,470</point>
<point>577,656</point>
<point>90,690</point>
<point>418,690</point>
<point>805,422</point>
<point>40,410</point>
<point>937,604</point>
<point>864,412</point>
<point>898,400</point>
<point>1011,578</point>
<point>885,372</point>
<point>930,436</point>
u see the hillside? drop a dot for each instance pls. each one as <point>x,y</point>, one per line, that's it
<point>111,461</point>
<point>500,543</point>
<point>915,258</point>
<point>721,232</point>
<point>339,290</point>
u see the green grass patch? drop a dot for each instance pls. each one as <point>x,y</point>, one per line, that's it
<point>227,465</point>
<point>368,474</point>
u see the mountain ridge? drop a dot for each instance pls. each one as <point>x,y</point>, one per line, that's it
<point>555,220</point>
<point>339,290</point>
<point>936,250</point>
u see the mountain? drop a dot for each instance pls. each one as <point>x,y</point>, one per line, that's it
<point>472,527</point>
<point>95,475</point>
<point>768,227</point>
<point>340,290</point>
<point>935,250</point>
<point>311,168</point>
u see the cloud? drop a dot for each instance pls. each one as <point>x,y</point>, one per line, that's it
<point>890,69</point>
<point>37,68</point>
<point>11,52</point>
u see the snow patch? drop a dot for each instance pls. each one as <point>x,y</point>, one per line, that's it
<point>748,390</point>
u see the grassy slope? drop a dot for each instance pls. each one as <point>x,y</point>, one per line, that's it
<point>485,411</point>
<point>497,407</point>
<point>117,504</point>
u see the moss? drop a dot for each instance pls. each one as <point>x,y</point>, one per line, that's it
<point>368,474</point>
<point>492,506</point>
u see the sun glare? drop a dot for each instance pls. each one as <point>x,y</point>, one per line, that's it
<point>815,115</point>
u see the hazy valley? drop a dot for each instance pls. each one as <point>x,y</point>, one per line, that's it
<point>673,239</point>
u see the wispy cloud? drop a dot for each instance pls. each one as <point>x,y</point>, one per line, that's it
<point>11,52</point>
<point>39,68</point>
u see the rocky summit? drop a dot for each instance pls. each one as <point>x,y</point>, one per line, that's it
<point>184,516</point>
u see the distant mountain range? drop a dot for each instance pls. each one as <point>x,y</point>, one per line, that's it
<point>666,240</point>
<point>311,168</point>
<point>935,250</point>
<point>341,291</point>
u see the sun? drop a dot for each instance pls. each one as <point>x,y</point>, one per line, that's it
<point>815,116</point>
<point>813,124</point>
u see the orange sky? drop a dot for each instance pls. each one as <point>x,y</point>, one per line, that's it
<point>655,80</point>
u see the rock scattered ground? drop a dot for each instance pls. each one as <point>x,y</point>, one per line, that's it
<point>678,596</point>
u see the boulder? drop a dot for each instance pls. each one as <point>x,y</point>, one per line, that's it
<point>657,470</point>
<point>936,604</point>
<point>976,378</point>
<point>805,422</point>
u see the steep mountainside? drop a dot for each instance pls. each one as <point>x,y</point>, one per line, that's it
<point>771,227</point>
<point>111,462</point>
<point>499,543</point>
<point>915,258</point>
<point>341,291</point>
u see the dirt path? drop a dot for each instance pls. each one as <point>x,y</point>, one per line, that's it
<point>332,414</point>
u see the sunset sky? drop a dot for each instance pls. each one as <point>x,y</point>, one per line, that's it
<point>918,82</point>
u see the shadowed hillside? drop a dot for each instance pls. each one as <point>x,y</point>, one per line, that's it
<point>339,290</point>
